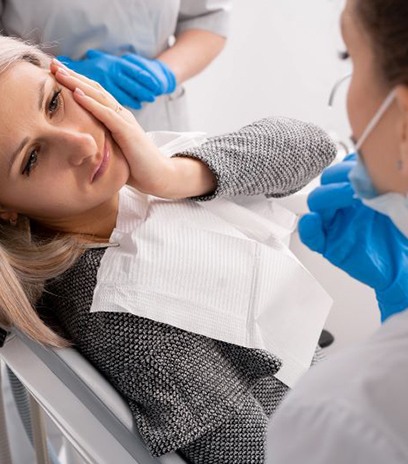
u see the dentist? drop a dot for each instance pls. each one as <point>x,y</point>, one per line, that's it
<point>353,408</point>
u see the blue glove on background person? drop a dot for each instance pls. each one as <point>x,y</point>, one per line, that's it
<point>357,239</point>
<point>130,83</point>
<point>160,72</point>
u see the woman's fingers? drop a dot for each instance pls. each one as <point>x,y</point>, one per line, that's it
<point>110,116</point>
<point>100,103</point>
<point>128,91</point>
<point>57,65</point>
<point>149,169</point>
<point>72,80</point>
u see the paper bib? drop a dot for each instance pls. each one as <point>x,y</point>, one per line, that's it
<point>218,268</point>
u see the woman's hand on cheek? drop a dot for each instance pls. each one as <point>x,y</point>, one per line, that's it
<point>150,171</point>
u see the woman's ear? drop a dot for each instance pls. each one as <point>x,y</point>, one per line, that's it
<point>401,92</point>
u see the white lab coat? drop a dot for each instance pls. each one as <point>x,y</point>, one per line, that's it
<point>72,27</point>
<point>350,409</point>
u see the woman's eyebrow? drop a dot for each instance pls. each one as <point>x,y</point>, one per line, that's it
<point>24,142</point>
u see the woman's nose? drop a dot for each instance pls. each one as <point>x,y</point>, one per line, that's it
<point>78,146</point>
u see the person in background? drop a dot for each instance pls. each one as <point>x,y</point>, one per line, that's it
<point>125,46</point>
<point>353,407</point>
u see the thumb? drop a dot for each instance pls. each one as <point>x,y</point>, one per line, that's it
<point>311,232</point>
<point>328,199</point>
<point>337,173</point>
<point>351,156</point>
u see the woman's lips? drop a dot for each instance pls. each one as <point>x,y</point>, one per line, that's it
<point>104,163</point>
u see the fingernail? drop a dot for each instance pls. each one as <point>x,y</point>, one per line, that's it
<point>59,63</point>
<point>79,92</point>
<point>62,71</point>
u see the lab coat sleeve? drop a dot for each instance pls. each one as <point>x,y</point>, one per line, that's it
<point>274,156</point>
<point>329,432</point>
<point>210,15</point>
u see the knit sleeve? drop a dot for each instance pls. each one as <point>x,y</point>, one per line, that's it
<point>274,156</point>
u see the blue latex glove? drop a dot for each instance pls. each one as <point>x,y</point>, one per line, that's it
<point>357,239</point>
<point>160,72</point>
<point>129,84</point>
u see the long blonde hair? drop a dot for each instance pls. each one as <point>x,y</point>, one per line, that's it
<point>27,263</point>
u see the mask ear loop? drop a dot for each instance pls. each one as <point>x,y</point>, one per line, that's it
<point>376,118</point>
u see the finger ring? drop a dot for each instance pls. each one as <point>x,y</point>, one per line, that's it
<point>118,108</point>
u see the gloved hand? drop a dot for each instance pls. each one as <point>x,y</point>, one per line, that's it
<point>130,84</point>
<point>357,239</point>
<point>159,71</point>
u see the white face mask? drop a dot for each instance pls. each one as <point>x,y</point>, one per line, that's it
<point>394,205</point>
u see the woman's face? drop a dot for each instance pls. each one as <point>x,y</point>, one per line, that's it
<point>57,163</point>
<point>381,150</point>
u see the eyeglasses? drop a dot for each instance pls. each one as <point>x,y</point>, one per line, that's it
<point>330,103</point>
<point>336,87</point>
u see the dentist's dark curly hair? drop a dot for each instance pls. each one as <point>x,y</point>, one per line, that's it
<point>386,22</point>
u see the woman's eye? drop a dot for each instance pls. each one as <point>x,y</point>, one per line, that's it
<point>55,102</point>
<point>31,162</point>
<point>343,55</point>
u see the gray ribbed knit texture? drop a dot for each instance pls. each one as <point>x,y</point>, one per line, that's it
<point>273,156</point>
<point>208,399</point>
<point>185,390</point>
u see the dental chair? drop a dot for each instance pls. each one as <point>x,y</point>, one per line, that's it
<point>89,412</point>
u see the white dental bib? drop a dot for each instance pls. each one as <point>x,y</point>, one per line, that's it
<point>218,268</point>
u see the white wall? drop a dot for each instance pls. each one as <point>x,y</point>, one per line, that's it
<point>281,59</point>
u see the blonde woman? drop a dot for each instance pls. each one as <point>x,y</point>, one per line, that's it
<point>67,151</point>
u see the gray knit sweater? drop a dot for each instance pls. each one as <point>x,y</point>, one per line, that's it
<point>207,399</point>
